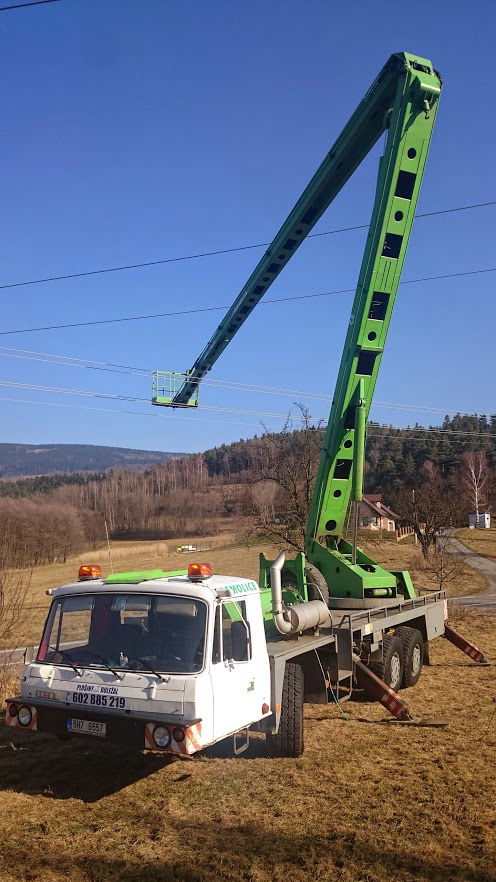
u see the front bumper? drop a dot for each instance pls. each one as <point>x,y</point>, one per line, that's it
<point>130,731</point>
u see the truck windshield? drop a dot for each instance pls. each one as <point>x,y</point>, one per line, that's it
<point>126,632</point>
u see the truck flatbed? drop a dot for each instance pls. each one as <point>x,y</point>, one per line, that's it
<point>333,648</point>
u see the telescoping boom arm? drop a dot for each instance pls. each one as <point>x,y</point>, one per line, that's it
<point>406,87</point>
<point>403,101</point>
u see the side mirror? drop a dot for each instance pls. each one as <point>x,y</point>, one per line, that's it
<point>29,654</point>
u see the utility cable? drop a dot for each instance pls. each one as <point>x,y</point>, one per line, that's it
<point>181,417</point>
<point>72,361</point>
<point>23,5</point>
<point>133,399</point>
<point>112,410</point>
<point>135,318</point>
<point>219,251</point>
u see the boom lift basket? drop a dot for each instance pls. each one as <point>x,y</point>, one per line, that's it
<point>167,383</point>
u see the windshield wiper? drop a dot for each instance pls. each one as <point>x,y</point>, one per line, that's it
<point>147,666</point>
<point>103,660</point>
<point>66,655</point>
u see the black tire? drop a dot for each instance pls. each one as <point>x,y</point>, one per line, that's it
<point>289,740</point>
<point>317,586</point>
<point>412,644</point>
<point>390,667</point>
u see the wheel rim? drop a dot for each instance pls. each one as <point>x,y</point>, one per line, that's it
<point>416,659</point>
<point>395,669</point>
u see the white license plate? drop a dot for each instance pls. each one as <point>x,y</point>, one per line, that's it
<point>88,727</point>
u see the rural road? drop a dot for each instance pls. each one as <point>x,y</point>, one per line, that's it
<point>486,600</point>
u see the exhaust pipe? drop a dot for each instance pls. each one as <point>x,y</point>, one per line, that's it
<point>301,616</point>
<point>282,625</point>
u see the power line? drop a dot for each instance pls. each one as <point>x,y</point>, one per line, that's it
<point>136,318</point>
<point>31,3</point>
<point>113,410</point>
<point>220,251</point>
<point>131,370</point>
<point>133,399</point>
<point>370,434</point>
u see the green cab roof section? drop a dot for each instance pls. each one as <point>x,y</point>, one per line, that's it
<point>134,578</point>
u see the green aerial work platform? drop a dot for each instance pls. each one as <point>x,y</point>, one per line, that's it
<point>403,102</point>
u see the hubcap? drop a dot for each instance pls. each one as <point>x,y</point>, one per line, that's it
<point>395,667</point>
<point>416,659</point>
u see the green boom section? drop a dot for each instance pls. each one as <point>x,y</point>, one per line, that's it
<point>402,101</point>
<point>411,120</point>
<point>376,111</point>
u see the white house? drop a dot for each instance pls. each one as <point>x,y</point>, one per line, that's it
<point>375,515</point>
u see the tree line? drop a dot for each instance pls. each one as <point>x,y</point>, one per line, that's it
<point>266,481</point>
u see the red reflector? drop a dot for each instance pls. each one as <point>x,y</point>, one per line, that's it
<point>13,709</point>
<point>89,572</point>
<point>178,734</point>
<point>199,571</point>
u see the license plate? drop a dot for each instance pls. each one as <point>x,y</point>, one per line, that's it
<point>87,727</point>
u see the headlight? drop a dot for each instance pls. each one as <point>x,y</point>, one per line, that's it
<point>24,715</point>
<point>161,736</point>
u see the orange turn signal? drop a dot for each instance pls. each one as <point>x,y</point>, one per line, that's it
<point>198,571</point>
<point>89,572</point>
<point>178,734</point>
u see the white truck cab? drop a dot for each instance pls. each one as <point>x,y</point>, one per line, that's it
<point>174,662</point>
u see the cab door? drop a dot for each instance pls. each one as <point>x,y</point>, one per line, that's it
<point>237,684</point>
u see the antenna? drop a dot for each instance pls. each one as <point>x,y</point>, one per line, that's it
<point>108,546</point>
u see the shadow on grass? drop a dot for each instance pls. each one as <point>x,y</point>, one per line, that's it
<point>42,765</point>
<point>245,853</point>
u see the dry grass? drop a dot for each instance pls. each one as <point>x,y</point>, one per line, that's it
<point>402,556</point>
<point>366,803</point>
<point>125,556</point>
<point>481,541</point>
<point>9,680</point>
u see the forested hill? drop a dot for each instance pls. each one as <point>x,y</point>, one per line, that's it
<point>48,459</point>
<point>394,456</point>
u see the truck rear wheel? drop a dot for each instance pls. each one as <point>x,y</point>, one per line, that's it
<point>412,644</point>
<point>390,668</point>
<point>289,740</point>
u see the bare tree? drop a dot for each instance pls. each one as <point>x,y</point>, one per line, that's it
<point>475,477</point>
<point>13,592</point>
<point>263,496</point>
<point>445,565</point>
<point>290,461</point>
<point>429,508</point>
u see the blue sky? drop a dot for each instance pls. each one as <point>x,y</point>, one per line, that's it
<point>135,130</point>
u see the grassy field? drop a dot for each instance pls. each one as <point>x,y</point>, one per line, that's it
<point>480,541</point>
<point>365,803</point>
<point>225,557</point>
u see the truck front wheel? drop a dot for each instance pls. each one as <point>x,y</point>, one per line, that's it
<point>289,739</point>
